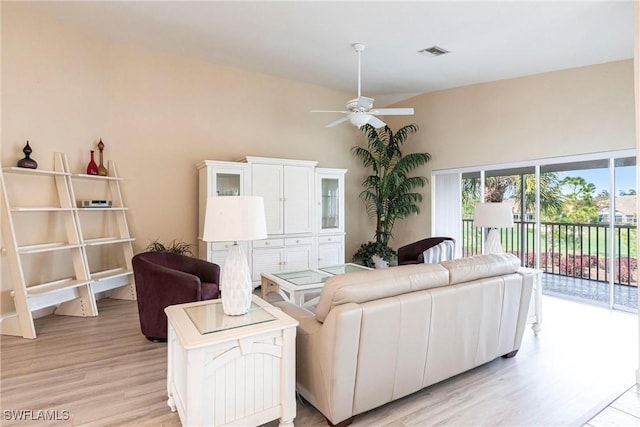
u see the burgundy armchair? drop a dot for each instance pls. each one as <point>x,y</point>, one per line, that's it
<point>412,253</point>
<point>164,279</point>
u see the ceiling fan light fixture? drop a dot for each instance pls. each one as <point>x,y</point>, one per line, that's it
<point>360,110</point>
<point>359,119</point>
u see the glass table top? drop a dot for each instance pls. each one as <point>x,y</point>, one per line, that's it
<point>315,277</point>
<point>304,277</point>
<point>210,318</point>
<point>343,269</point>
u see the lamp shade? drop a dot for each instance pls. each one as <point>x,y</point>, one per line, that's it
<point>233,218</point>
<point>493,215</point>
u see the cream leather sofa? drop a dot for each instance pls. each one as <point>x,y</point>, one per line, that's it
<point>380,335</point>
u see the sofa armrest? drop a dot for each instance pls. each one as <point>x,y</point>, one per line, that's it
<point>205,270</point>
<point>307,323</point>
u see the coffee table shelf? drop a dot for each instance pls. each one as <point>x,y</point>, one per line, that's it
<point>297,286</point>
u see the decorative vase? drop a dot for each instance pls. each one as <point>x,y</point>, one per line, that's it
<point>235,283</point>
<point>27,162</point>
<point>102,171</point>
<point>92,168</point>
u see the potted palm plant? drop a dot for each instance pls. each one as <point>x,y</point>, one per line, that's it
<point>176,247</point>
<point>389,192</point>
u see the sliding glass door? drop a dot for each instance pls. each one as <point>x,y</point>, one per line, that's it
<point>625,258</point>
<point>575,242</point>
<point>574,218</point>
<point>471,195</point>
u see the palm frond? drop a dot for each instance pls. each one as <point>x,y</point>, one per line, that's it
<point>411,161</point>
<point>388,193</point>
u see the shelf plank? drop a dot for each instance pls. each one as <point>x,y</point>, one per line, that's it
<point>46,247</point>
<point>97,177</point>
<point>114,208</point>
<point>58,285</point>
<point>41,209</point>
<point>110,274</point>
<point>107,241</point>
<point>25,171</point>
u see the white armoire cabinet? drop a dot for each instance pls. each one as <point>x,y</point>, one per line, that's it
<point>220,179</point>
<point>287,188</point>
<point>274,255</point>
<point>330,216</point>
<point>304,208</point>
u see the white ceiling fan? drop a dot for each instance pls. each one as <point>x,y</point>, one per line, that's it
<point>360,111</point>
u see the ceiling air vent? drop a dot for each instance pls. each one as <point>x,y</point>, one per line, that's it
<point>433,50</point>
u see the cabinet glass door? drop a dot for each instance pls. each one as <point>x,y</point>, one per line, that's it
<point>330,204</point>
<point>228,184</point>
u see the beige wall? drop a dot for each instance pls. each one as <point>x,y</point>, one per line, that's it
<point>160,114</point>
<point>581,110</point>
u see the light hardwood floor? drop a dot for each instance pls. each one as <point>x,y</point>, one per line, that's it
<point>104,372</point>
<point>624,411</point>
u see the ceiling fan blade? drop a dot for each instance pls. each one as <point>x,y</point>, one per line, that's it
<point>330,111</point>
<point>364,103</point>
<point>337,122</point>
<point>376,122</point>
<point>392,111</point>
<point>360,110</point>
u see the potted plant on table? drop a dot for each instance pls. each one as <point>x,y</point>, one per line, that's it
<point>389,192</point>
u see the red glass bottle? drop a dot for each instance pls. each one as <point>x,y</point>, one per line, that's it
<point>92,167</point>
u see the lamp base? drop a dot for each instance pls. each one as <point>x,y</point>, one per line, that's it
<point>492,245</point>
<point>236,283</point>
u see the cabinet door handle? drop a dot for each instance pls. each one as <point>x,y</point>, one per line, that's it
<point>329,239</point>
<point>297,241</point>
<point>266,243</point>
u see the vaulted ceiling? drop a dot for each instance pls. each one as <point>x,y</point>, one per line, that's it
<point>311,40</point>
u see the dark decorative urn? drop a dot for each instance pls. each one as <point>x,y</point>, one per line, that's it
<point>27,162</point>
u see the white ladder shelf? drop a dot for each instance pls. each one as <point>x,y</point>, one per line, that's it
<point>72,296</point>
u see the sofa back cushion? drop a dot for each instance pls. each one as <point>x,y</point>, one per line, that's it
<point>480,266</point>
<point>363,286</point>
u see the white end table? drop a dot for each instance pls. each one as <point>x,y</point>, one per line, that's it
<point>534,316</point>
<point>231,370</point>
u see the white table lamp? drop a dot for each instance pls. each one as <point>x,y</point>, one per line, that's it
<point>493,216</point>
<point>234,218</point>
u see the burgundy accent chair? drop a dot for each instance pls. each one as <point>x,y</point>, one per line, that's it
<point>164,279</point>
<point>412,253</point>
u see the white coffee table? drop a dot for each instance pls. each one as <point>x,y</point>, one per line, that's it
<point>297,286</point>
<point>231,370</point>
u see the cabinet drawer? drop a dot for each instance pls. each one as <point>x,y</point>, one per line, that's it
<point>268,243</point>
<point>296,241</point>
<point>330,239</point>
<point>221,246</point>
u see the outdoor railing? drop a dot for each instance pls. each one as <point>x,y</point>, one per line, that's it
<point>574,250</point>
